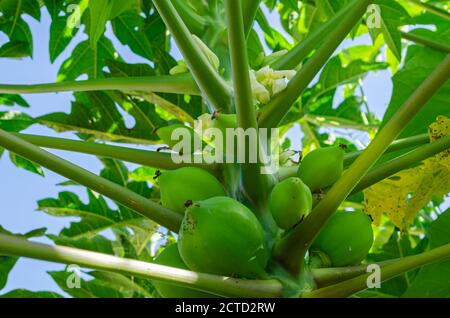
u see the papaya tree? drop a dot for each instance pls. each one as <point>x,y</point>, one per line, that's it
<point>359,212</point>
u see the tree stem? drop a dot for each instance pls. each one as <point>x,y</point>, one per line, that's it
<point>425,41</point>
<point>292,248</point>
<point>254,182</point>
<point>403,162</point>
<point>272,114</point>
<point>178,84</point>
<point>219,285</point>
<point>124,196</point>
<point>208,79</point>
<point>330,276</point>
<point>399,144</point>
<point>154,159</point>
<point>388,271</point>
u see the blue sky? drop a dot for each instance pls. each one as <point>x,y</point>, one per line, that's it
<point>20,190</point>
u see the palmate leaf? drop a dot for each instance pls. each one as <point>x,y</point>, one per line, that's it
<point>392,16</point>
<point>419,64</point>
<point>21,41</point>
<point>101,11</point>
<point>86,60</point>
<point>23,163</point>
<point>347,114</point>
<point>12,100</point>
<point>7,262</point>
<point>345,69</point>
<point>335,74</point>
<point>15,121</point>
<point>274,39</point>
<point>96,114</point>
<point>434,280</point>
<point>60,36</point>
<point>95,216</point>
<point>143,109</point>
<point>129,29</point>
<point>99,14</point>
<point>401,196</point>
<point>175,106</point>
<point>15,8</point>
<point>398,246</point>
<point>95,243</point>
<point>88,289</point>
<point>328,8</point>
<point>54,7</point>
<point>23,293</point>
<point>11,23</point>
<point>128,285</point>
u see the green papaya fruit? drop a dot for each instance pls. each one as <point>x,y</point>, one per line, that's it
<point>188,183</point>
<point>222,236</point>
<point>345,240</point>
<point>290,201</point>
<point>322,167</point>
<point>170,139</point>
<point>171,257</point>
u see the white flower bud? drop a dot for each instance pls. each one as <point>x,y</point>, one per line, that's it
<point>210,56</point>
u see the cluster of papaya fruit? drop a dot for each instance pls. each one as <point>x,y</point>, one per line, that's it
<point>220,235</point>
<point>348,236</point>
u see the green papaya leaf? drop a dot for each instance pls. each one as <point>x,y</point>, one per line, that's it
<point>15,121</point>
<point>85,60</point>
<point>419,64</point>
<point>13,100</point>
<point>95,243</point>
<point>432,280</point>
<point>391,16</point>
<point>23,293</point>
<point>95,114</point>
<point>95,288</point>
<point>28,165</point>
<point>96,216</point>
<point>60,36</point>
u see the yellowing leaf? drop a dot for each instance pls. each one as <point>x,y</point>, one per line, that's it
<point>402,196</point>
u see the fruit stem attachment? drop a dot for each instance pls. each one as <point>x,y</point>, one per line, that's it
<point>124,196</point>
<point>292,248</point>
<point>208,79</point>
<point>273,113</point>
<point>176,84</point>
<point>388,271</point>
<point>219,285</point>
<point>154,159</point>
